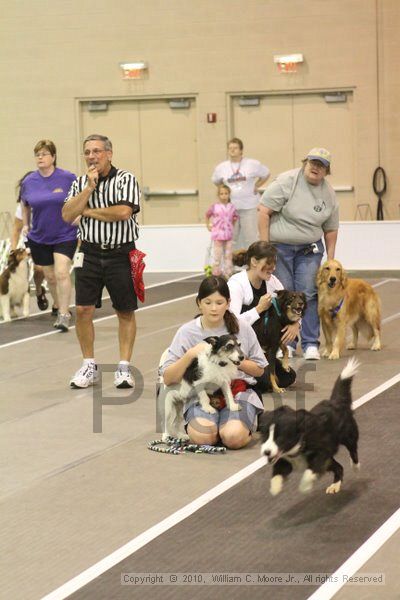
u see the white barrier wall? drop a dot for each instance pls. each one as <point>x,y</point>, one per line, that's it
<point>362,245</point>
<point>369,245</point>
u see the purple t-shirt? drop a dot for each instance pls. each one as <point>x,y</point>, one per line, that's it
<point>45,196</point>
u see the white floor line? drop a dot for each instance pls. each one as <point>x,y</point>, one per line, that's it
<point>376,391</point>
<point>147,536</point>
<point>107,297</point>
<point>150,534</point>
<point>84,393</point>
<point>153,285</point>
<point>358,559</point>
<point>55,331</point>
<point>174,280</point>
<point>113,316</point>
<point>384,281</point>
<point>391,318</point>
<point>349,336</point>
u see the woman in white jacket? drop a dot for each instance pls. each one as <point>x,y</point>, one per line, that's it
<point>252,291</point>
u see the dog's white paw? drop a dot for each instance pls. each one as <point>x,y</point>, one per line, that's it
<point>307,481</point>
<point>334,488</point>
<point>165,437</point>
<point>183,437</point>
<point>334,355</point>
<point>355,466</point>
<point>276,485</point>
<point>376,346</point>
<point>351,346</point>
<point>325,353</point>
<point>209,409</point>
<point>278,390</point>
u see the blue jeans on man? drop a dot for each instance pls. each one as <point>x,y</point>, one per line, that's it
<point>297,271</point>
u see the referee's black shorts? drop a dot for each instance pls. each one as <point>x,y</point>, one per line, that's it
<point>105,268</point>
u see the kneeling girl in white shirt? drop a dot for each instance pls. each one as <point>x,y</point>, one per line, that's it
<point>251,293</point>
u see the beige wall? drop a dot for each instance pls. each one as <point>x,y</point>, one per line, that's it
<point>57,51</point>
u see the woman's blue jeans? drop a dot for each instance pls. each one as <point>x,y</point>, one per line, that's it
<point>297,272</point>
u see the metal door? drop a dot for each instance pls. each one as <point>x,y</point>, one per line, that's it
<point>283,128</point>
<point>157,142</point>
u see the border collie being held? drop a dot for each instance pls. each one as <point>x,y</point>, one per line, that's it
<point>213,369</point>
<point>310,439</point>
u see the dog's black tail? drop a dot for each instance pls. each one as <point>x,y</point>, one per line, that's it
<point>341,393</point>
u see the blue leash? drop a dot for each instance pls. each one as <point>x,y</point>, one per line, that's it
<point>277,309</point>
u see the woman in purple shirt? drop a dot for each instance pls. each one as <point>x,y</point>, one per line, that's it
<point>52,241</point>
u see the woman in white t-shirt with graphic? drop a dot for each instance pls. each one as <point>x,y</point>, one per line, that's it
<point>243,176</point>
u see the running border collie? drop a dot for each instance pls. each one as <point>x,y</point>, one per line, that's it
<point>214,368</point>
<point>14,284</point>
<point>309,440</point>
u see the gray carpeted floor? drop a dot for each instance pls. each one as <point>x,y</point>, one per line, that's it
<point>42,323</point>
<point>247,531</point>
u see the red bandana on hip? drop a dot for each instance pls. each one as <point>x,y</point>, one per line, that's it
<point>137,268</point>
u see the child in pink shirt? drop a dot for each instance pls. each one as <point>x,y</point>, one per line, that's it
<point>220,219</point>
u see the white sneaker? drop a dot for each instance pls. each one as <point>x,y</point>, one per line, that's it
<point>123,378</point>
<point>279,354</point>
<point>311,353</point>
<point>86,376</point>
<point>63,321</point>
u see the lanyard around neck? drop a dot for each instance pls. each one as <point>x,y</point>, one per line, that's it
<point>237,170</point>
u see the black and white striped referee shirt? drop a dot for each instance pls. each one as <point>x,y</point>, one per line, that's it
<point>118,187</point>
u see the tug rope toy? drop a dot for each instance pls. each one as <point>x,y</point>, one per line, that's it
<point>181,446</point>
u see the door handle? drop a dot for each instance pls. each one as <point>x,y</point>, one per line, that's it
<point>147,193</point>
<point>343,188</point>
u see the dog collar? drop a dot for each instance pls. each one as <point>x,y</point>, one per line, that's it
<point>334,311</point>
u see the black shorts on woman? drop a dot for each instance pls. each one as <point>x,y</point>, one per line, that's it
<point>43,254</point>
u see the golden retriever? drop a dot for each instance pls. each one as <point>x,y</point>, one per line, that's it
<point>343,301</point>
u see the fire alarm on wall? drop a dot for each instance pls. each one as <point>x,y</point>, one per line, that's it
<point>211,117</point>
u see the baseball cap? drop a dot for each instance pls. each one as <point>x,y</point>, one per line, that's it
<point>321,154</point>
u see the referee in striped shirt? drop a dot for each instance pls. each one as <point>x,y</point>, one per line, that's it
<point>107,200</point>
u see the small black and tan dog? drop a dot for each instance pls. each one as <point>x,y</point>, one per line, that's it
<point>309,440</point>
<point>286,308</point>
